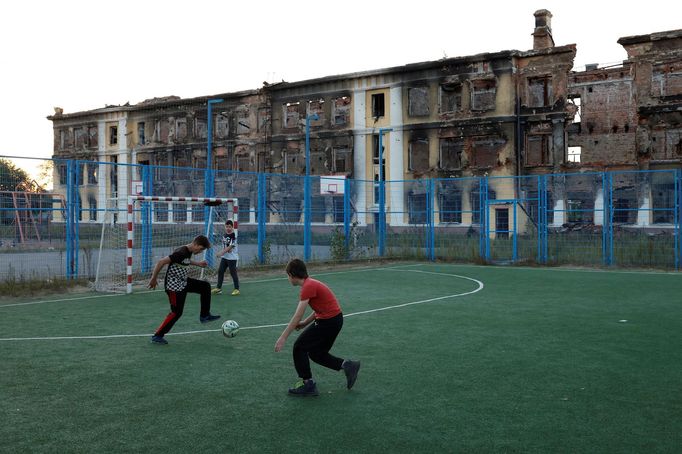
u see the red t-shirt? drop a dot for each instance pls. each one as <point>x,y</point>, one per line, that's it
<point>320,298</point>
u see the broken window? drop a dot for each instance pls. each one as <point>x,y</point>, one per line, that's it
<point>537,149</point>
<point>418,101</point>
<point>263,119</point>
<point>416,207</point>
<point>378,105</point>
<point>574,154</point>
<point>625,205</point>
<point>575,100</point>
<point>92,173</point>
<point>475,203</point>
<point>342,160</point>
<point>243,120</point>
<point>450,205</point>
<point>666,79</point>
<point>450,98</point>
<point>140,133</point>
<point>63,175</point>
<point>291,114</point>
<point>663,198</point>
<point>222,125</point>
<point>539,91</point>
<point>162,131</point>
<point>80,137</point>
<point>418,155</point>
<point>92,136</point>
<point>113,135</point>
<point>484,151</point>
<point>341,110</point>
<point>181,128</point>
<point>451,149</point>
<point>64,139</point>
<point>316,107</point>
<point>483,93</point>
<point>200,128</point>
<point>92,208</point>
<point>580,207</point>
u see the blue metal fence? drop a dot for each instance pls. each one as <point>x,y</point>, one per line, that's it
<point>622,219</point>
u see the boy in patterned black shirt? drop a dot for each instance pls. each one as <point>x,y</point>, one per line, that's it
<point>177,285</point>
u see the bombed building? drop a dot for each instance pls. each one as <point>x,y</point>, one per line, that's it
<point>506,113</point>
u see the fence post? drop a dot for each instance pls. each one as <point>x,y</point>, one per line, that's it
<point>146,214</point>
<point>307,214</point>
<point>346,215</point>
<point>430,208</point>
<point>71,229</point>
<point>542,220</point>
<point>261,214</point>
<point>484,237</point>
<point>607,228</point>
<point>678,219</point>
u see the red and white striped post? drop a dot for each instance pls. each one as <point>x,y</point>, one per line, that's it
<point>146,198</point>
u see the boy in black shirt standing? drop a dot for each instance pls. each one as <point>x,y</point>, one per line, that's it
<point>177,285</point>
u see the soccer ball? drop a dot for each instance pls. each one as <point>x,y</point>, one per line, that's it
<point>230,328</point>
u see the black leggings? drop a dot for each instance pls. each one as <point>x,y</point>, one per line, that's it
<point>177,303</point>
<point>314,343</point>
<point>232,264</point>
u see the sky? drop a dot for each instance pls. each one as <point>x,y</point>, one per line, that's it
<point>82,55</point>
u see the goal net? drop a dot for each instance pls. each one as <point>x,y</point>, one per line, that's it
<point>132,242</point>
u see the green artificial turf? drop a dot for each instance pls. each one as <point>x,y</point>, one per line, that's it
<point>539,360</point>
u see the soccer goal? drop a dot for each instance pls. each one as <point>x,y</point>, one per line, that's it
<point>131,243</point>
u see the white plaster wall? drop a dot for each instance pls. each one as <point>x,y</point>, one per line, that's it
<point>360,152</point>
<point>599,208</point>
<point>123,171</point>
<point>643,213</point>
<point>396,197</point>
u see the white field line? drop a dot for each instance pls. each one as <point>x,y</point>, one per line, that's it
<point>274,279</point>
<point>397,306</point>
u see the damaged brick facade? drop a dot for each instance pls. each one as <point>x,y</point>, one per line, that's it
<point>506,113</point>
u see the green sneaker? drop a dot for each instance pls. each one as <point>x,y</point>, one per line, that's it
<point>304,388</point>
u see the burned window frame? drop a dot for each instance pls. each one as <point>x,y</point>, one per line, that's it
<point>416,216</point>
<point>113,134</point>
<point>477,93</point>
<point>457,89</point>
<point>455,142</point>
<point>450,207</point>
<point>546,91</point>
<point>341,154</point>
<point>418,101</point>
<point>378,101</point>
<point>291,112</point>
<point>342,112</point>
<point>545,148</point>
<point>419,142</point>
<point>319,110</point>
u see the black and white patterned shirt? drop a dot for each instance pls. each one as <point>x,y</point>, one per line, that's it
<point>230,239</point>
<point>176,276</point>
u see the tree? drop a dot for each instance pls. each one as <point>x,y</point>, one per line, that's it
<point>11,176</point>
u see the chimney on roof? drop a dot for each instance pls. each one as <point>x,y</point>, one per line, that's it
<point>591,66</point>
<point>542,36</point>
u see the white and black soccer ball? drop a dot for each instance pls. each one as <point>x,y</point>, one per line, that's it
<point>230,328</point>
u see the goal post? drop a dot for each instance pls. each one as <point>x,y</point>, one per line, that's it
<point>150,228</point>
<point>208,202</point>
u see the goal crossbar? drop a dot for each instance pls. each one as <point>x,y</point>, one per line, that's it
<point>141,198</point>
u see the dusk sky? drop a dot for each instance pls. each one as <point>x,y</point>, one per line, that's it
<point>82,55</point>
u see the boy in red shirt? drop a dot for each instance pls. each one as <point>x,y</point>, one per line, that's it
<point>316,340</point>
